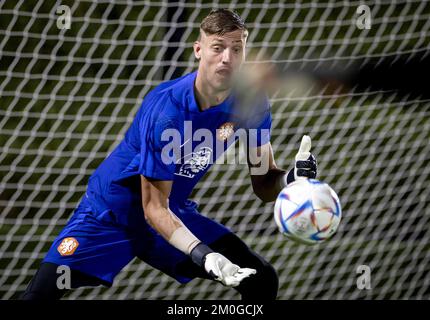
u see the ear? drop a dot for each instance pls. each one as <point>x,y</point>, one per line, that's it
<point>197,49</point>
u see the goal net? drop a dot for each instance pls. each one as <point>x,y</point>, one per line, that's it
<point>67,96</point>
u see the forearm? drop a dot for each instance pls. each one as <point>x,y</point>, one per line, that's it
<point>165,222</point>
<point>268,186</point>
<point>171,228</point>
<point>155,204</point>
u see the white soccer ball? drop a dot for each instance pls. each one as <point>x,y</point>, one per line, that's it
<point>308,211</point>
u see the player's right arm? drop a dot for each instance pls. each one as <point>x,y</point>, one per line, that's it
<point>155,204</point>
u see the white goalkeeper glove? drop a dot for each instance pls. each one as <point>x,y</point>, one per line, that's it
<point>225,271</point>
<point>219,267</point>
<point>305,165</point>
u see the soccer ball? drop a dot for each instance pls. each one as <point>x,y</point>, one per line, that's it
<point>307,211</point>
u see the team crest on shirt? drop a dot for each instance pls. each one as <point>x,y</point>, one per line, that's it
<point>225,131</point>
<point>194,162</point>
<point>68,246</point>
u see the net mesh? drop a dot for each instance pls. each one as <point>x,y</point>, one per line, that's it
<point>68,96</point>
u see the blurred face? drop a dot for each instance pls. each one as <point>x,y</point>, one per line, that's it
<point>220,57</point>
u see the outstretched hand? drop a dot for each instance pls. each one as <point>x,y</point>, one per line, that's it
<point>225,271</point>
<point>305,162</point>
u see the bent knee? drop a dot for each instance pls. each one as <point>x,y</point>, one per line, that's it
<point>269,280</point>
<point>261,286</point>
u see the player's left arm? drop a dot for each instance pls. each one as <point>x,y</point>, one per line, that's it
<point>268,180</point>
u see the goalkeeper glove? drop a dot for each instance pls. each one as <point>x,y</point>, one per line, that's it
<point>219,267</point>
<point>305,162</point>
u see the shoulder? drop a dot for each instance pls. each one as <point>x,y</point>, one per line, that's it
<point>163,107</point>
<point>175,87</point>
<point>264,103</point>
<point>158,105</point>
<point>165,99</point>
<point>251,110</point>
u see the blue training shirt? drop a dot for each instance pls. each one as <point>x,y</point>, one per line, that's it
<point>194,141</point>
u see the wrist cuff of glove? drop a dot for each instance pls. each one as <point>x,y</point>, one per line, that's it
<point>199,253</point>
<point>290,176</point>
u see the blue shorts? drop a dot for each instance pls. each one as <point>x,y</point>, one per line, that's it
<point>101,248</point>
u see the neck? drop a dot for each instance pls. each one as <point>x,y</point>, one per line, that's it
<point>206,95</point>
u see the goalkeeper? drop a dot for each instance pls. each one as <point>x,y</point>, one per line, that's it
<point>136,203</point>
